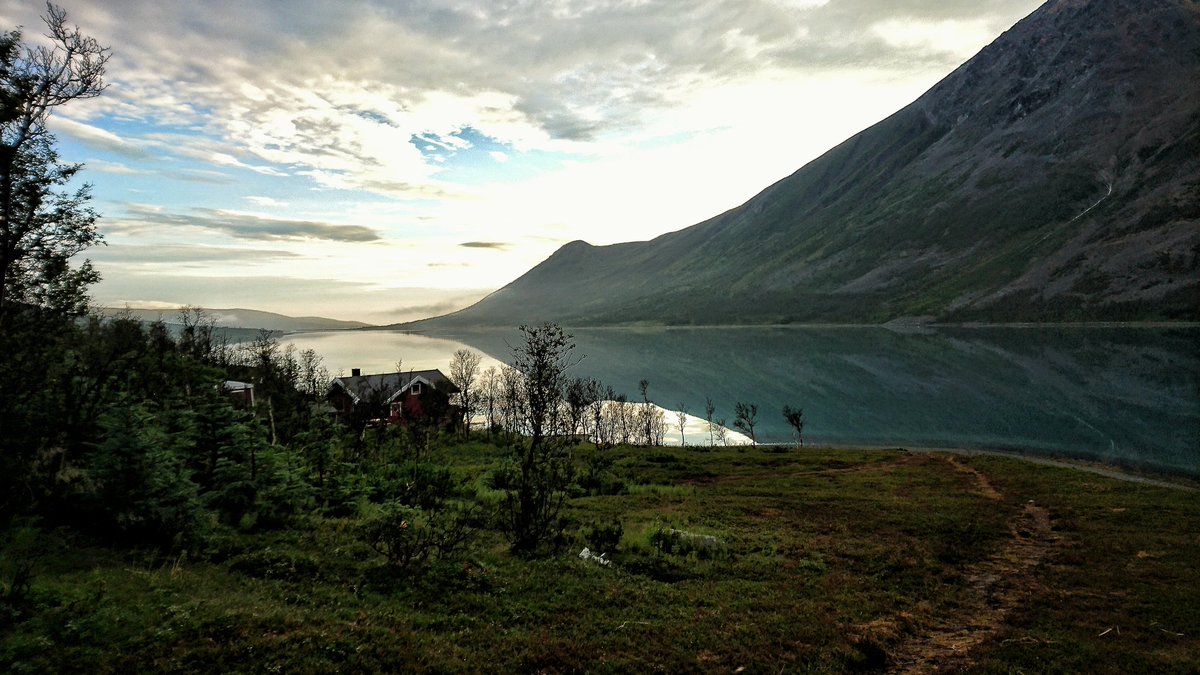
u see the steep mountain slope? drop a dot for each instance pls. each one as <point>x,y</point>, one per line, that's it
<point>1053,177</point>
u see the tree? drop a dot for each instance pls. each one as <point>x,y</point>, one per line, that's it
<point>196,333</point>
<point>464,370</point>
<point>511,388</point>
<point>647,419</point>
<point>745,419</point>
<point>710,411</point>
<point>42,227</point>
<point>140,491</point>
<point>489,387</point>
<point>537,487</point>
<point>681,418</point>
<point>795,418</point>
<point>314,376</point>
<point>721,431</point>
<point>581,394</point>
<point>543,360</point>
<point>602,434</point>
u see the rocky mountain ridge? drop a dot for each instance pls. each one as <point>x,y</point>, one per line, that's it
<point>1053,177</point>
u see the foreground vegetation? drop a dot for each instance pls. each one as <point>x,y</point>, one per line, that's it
<point>769,560</point>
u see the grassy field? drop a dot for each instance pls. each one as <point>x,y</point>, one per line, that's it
<point>780,561</point>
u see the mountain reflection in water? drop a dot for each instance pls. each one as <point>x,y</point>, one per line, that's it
<point>1126,396</point>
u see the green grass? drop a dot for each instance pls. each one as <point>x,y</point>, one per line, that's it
<point>828,561</point>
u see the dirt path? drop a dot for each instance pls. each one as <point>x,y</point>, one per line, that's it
<point>982,485</point>
<point>995,588</point>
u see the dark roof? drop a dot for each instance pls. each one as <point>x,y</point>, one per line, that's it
<point>390,385</point>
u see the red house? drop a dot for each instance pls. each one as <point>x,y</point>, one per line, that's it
<point>395,398</point>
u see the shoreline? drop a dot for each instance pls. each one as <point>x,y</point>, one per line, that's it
<point>895,325</point>
<point>1128,474</point>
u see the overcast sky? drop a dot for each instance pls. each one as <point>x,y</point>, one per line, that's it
<point>385,160</point>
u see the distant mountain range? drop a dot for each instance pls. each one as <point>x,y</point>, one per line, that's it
<point>1053,177</point>
<point>242,318</point>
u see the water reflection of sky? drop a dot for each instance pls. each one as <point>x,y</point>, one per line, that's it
<point>1128,396</point>
<point>379,351</point>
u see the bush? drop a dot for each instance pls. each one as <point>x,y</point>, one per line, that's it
<point>269,563</point>
<point>598,478</point>
<point>283,494</point>
<point>139,490</point>
<point>504,477</point>
<point>411,537</point>
<point>426,486</point>
<point>19,553</point>
<point>528,514</point>
<point>679,542</point>
<point>602,536</point>
<point>344,491</point>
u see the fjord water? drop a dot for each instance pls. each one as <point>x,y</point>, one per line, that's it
<point>1126,396</point>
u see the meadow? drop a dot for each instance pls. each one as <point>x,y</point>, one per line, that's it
<point>768,559</point>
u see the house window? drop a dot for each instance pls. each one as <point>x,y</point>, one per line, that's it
<point>415,390</point>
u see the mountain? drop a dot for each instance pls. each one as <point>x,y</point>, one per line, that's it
<point>1053,177</point>
<point>242,318</point>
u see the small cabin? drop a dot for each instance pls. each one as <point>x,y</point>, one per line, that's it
<point>418,396</point>
<point>241,392</point>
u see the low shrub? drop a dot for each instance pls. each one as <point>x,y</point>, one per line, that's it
<point>598,478</point>
<point>682,543</point>
<point>411,537</point>
<point>603,536</point>
<point>270,563</point>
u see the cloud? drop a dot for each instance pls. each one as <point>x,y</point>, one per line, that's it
<point>98,138</point>
<point>430,302</point>
<point>409,312</point>
<point>290,295</point>
<point>337,91</point>
<point>957,38</point>
<point>113,168</point>
<point>246,225</point>
<point>493,245</point>
<point>207,176</point>
<point>259,200</point>
<point>183,254</point>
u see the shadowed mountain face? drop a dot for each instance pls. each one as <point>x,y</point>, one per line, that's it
<point>1053,177</point>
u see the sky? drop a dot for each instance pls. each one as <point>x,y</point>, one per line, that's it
<point>388,160</point>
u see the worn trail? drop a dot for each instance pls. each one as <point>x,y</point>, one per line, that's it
<point>995,587</point>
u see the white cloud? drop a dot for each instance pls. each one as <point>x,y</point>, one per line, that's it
<point>961,38</point>
<point>271,202</point>
<point>112,167</point>
<point>99,138</point>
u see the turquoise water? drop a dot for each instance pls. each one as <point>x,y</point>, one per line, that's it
<point>1125,396</point>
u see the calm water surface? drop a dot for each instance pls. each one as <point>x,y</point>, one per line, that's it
<point>1117,395</point>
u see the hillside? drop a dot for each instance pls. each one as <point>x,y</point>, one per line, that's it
<point>1053,177</point>
<point>243,318</point>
